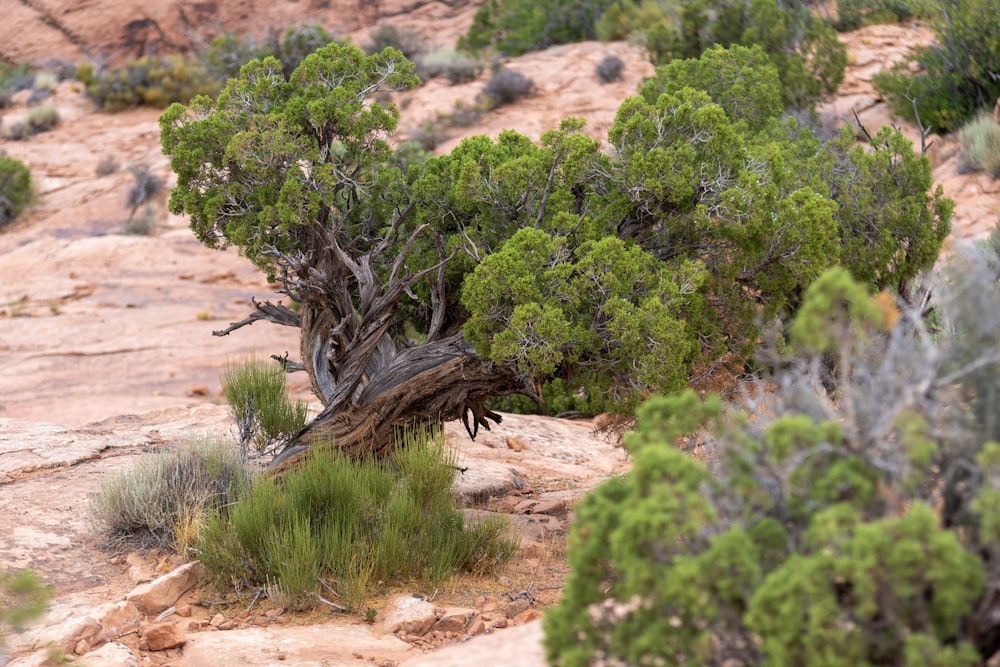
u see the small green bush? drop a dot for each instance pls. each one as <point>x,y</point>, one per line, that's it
<point>228,52</point>
<point>154,503</point>
<point>15,188</point>
<point>142,224</point>
<point>300,41</point>
<point>264,415</point>
<point>610,69</point>
<point>980,141</point>
<point>506,87</point>
<point>335,526</point>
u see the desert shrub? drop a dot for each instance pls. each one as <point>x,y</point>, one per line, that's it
<point>403,40</point>
<point>980,141</point>
<point>42,119</point>
<point>300,41</point>
<point>17,77</point>
<point>515,27</point>
<point>848,517</point>
<point>142,223</point>
<point>15,188</point>
<point>956,75</point>
<point>106,166</point>
<point>145,186</point>
<point>506,87</point>
<point>610,69</point>
<point>429,136</point>
<point>335,526</point>
<point>452,65</point>
<point>6,97</point>
<point>262,410</point>
<point>228,52</point>
<point>154,503</point>
<point>852,14</point>
<point>152,81</point>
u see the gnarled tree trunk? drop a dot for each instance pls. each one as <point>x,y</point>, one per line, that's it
<point>369,385</point>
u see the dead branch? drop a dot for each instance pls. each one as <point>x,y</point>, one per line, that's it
<point>270,312</point>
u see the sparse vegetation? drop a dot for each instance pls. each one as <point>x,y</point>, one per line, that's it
<point>610,69</point>
<point>42,119</point>
<point>335,526</point>
<point>23,598</point>
<point>156,82</point>
<point>154,503</point>
<point>263,412</point>
<point>15,188</point>
<point>852,14</point>
<point>144,223</point>
<point>980,142</point>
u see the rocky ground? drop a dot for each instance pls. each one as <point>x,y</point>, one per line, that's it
<point>106,350</point>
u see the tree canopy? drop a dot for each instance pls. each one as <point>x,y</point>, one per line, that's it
<point>509,266</point>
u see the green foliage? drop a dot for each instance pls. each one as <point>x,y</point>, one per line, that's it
<point>852,14</point>
<point>848,520</point>
<point>267,125</point>
<point>15,188</point>
<point>341,525</point>
<point>150,504</point>
<point>980,142</point>
<point>804,50</point>
<point>150,81</point>
<point>954,77</point>
<point>299,42</point>
<point>23,598</point>
<point>228,52</point>
<point>262,410</point>
<point>515,27</point>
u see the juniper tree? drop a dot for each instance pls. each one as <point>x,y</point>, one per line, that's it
<point>510,266</point>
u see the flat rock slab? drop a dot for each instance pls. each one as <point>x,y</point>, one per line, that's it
<point>324,645</point>
<point>519,646</point>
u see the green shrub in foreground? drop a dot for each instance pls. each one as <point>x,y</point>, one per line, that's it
<point>849,521</point>
<point>15,188</point>
<point>157,502</point>
<point>262,410</point>
<point>335,526</point>
<point>980,141</point>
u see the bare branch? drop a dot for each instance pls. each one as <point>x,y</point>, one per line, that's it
<point>270,312</point>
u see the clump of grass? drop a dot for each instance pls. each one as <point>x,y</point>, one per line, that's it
<point>106,166</point>
<point>980,141</point>
<point>506,87</point>
<point>336,526</point>
<point>262,410</point>
<point>156,503</point>
<point>143,224</point>
<point>610,69</point>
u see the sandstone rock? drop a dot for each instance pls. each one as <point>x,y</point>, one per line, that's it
<point>112,654</point>
<point>184,610</point>
<point>407,613</point>
<point>163,592</point>
<point>517,647</point>
<point>139,571</point>
<point>162,636</point>
<point>455,619</point>
<point>527,616</point>
<point>476,627</point>
<point>517,444</point>
<point>516,607</point>
<point>217,620</point>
